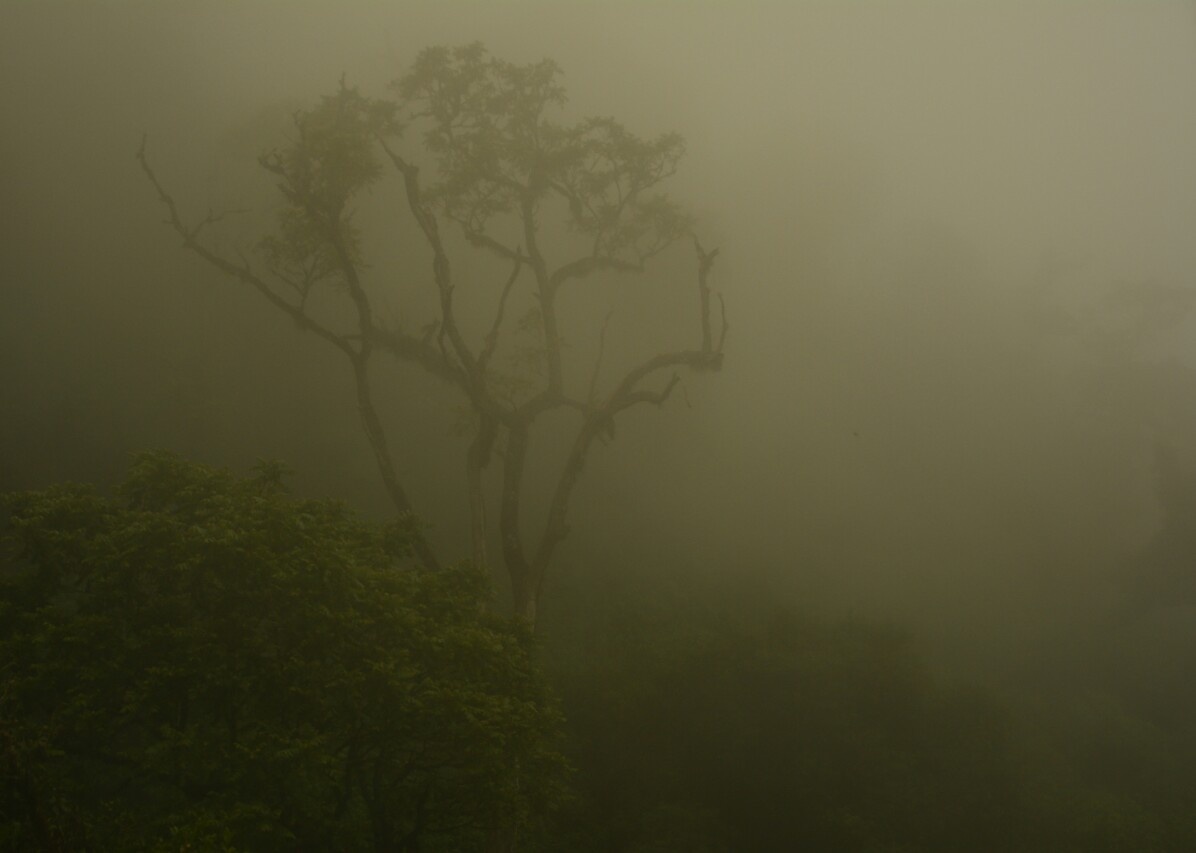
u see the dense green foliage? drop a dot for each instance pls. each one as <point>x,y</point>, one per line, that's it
<point>202,662</point>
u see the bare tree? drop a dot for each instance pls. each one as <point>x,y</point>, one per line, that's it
<point>501,167</point>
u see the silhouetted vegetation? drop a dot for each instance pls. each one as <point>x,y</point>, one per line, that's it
<point>717,720</point>
<point>203,662</point>
<point>570,203</point>
<point>910,570</point>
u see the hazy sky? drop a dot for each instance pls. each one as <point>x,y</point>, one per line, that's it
<point>906,197</point>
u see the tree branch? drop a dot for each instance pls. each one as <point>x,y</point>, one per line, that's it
<point>440,265</point>
<point>705,262</point>
<point>546,294</point>
<point>419,351</point>
<point>482,240</point>
<point>379,444</point>
<point>591,264</point>
<point>598,359</point>
<point>599,420</point>
<point>491,341</point>
<point>243,272</point>
<point>358,357</point>
<point>476,460</point>
<point>524,588</point>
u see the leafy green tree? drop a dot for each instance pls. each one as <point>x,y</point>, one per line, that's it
<point>564,202</point>
<point>202,662</point>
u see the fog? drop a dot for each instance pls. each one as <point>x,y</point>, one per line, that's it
<point>956,249</point>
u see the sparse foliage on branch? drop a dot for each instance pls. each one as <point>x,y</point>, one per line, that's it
<point>473,141</point>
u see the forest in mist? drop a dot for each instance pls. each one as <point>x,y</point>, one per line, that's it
<point>895,550</point>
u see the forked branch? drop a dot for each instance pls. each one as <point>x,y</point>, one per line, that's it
<point>242,271</point>
<point>358,355</point>
<point>599,420</point>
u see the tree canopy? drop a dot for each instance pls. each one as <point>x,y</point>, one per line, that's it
<point>202,662</point>
<point>561,201</point>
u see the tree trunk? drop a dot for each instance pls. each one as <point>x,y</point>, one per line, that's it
<point>476,460</point>
<point>525,594</point>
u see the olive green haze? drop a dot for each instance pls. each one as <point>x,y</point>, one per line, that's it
<point>957,243</point>
<point>934,220</point>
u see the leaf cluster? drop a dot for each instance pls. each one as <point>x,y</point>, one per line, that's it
<point>204,661</point>
<point>488,124</point>
<point>332,157</point>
